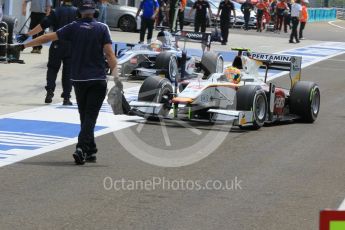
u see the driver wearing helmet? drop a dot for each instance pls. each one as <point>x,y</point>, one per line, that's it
<point>164,37</point>
<point>156,46</point>
<point>232,74</point>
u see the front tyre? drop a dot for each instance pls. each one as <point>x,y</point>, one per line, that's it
<point>159,90</point>
<point>253,98</point>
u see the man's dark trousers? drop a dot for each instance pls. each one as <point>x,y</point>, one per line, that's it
<point>35,19</point>
<point>146,23</point>
<point>200,25</point>
<point>293,35</point>
<point>90,96</point>
<point>180,20</point>
<point>301,28</point>
<point>246,16</point>
<point>224,29</point>
<point>59,52</point>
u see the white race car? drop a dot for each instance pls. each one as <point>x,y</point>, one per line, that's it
<point>164,57</point>
<point>241,96</point>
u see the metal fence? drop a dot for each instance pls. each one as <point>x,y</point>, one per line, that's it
<point>341,13</point>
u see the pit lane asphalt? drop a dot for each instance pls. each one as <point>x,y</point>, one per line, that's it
<point>288,172</point>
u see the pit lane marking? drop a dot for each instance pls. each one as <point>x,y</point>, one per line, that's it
<point>332,24</point>
<point>342,206</point>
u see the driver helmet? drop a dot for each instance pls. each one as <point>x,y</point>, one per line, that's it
<point>164,37</point>
<point>233,74</point>
<point>156,46</point>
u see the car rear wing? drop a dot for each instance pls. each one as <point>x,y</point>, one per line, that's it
<point>292,64</point>
<point>191,36</point>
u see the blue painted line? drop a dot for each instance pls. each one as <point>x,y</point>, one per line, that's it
<point>305,54</point>
<point>10,147</point>
<point>52,129</point>
<point>3,158</point>
<point>28,135</point>
<point>327,48</point>
<point>59,129</point>
<point>7,154</point>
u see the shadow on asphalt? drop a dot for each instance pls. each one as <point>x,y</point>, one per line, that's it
<point>61,164</point>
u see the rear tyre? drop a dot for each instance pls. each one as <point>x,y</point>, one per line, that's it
<point>305,100</point>
<point>127,23</point>
<point>212,62</point>
<point>253,98</point>
<point>168,62</point>
<point>159,90</point>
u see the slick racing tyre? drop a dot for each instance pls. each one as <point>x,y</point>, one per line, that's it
<point>159,90</point>
<point>305,100</point>
<point>252,98</point>
<point>168,62</point>
<point>212,62</point>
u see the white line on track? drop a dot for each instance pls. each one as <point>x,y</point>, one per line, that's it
<point>342,206</point>
<point>332,24</point>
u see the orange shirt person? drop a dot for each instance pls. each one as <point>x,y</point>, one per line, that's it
<point>303,19</point>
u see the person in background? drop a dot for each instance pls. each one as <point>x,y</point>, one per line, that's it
<point>246,8</point>
<point>39,9</point>
<point>173,13</point>
<point>180,15</point>
<point>91,44</point>
<point>273,13</point>
<point>59,51</point>
<point>260,9</point>
<point>296,11</point>
<point>200,20</point>
<point>304,18</point>
<point>287,17</point>
<point>281,7</point>
<point>102,7</point>
<point>1,14</point>
<point>162,9</point>
<point>225,8</point>
<point>150,10</point>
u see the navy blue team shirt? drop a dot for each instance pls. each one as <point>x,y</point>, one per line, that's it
<point>148,7</point>
<point>87,37</point>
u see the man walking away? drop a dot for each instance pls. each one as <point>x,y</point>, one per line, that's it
<point>280,9</point>
<point>150,9</point>
<point>102,7</point>
<point>287,16</point>
<point>296,11</point>
<point>246,8</point>
<point>90,41</point>
<point>173,13</point>
<point>261,9</point>
<point>225,8</point>
<point>160,18</point>
<point>182,6</point>
<point>59,51</point>
<point>39,9</point>
<point>200,20</point>
<point>304,18</point>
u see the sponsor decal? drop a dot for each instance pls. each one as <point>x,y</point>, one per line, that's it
<point>271,57</point>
